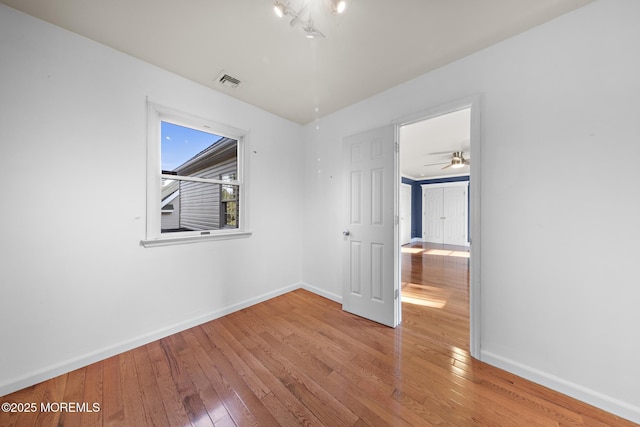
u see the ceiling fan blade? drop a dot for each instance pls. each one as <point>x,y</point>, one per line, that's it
<point>439,153</point>
<point>436,164</point>
<point>448,166</point>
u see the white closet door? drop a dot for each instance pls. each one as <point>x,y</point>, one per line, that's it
<point>445,213</point>
<point>433,212</point>
<point>455,215</point>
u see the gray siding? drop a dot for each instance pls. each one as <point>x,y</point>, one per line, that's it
<point>199,205</point>
<point>171,221</point>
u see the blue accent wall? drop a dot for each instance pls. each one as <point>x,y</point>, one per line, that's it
<point>416,200</point>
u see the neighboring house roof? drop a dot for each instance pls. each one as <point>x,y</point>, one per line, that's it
<point>221,150</point>
<point>168,190</point>
<point>171,197</point>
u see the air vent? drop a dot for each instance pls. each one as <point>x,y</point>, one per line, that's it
<point>228,81</point>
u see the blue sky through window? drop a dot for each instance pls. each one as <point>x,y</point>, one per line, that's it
<point>180,143</point>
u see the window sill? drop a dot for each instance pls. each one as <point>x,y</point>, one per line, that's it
<point>169,241</point>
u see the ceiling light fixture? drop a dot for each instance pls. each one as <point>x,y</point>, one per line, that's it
<point>302,15</point>
<point>338,6</point>
<point>458,160</point>
<point>457,163</point>
<point>278,9</point>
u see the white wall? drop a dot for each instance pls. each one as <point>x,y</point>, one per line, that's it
<point>75,284</point>
<point>559,194</point>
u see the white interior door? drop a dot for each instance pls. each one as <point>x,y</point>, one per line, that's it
<point>370,273</point>
<point>405,214</point>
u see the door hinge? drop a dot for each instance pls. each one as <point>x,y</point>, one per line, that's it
<point>397,147</point>
<point>396,220</point>
<point>396,294</point>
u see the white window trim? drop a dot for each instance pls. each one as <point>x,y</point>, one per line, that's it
<point>155,115</point>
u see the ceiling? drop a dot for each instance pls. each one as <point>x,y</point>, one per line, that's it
<point>426,147</point>
<point>373,46</point>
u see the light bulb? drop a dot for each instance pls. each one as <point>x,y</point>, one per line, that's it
<point>338,6</point>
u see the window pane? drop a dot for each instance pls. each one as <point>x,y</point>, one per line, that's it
<point>229,193</point>
<point>230,196</point>
<point>191,152</point>
<point>197,206</point>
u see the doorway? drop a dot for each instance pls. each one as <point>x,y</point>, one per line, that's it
<point>439,149</point>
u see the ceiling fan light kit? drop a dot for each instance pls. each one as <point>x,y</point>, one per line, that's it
<point>457,160</point>
<point>456,163</point>
<point>301,15</point>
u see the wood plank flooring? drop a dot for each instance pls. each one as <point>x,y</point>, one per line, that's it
<point>298,359</point>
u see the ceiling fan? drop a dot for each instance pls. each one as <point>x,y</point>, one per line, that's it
<point>457,160</point>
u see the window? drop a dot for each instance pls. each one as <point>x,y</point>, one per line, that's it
<point>195,187</point>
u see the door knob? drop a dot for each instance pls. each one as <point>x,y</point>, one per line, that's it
<point>346,232</point>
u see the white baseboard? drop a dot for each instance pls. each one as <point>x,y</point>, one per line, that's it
<point>584,394</point>
<point>322,292</point>
<point>53,371</point>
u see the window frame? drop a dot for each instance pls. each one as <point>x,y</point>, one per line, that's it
<point>156,114</point>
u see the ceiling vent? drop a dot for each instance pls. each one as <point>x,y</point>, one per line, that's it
<point>228,81</point>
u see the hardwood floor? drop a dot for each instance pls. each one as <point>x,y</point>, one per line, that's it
<point>298,359</point>
<point>435,292</point>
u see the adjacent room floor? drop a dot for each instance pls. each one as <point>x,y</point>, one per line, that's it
<point>435,285</point>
